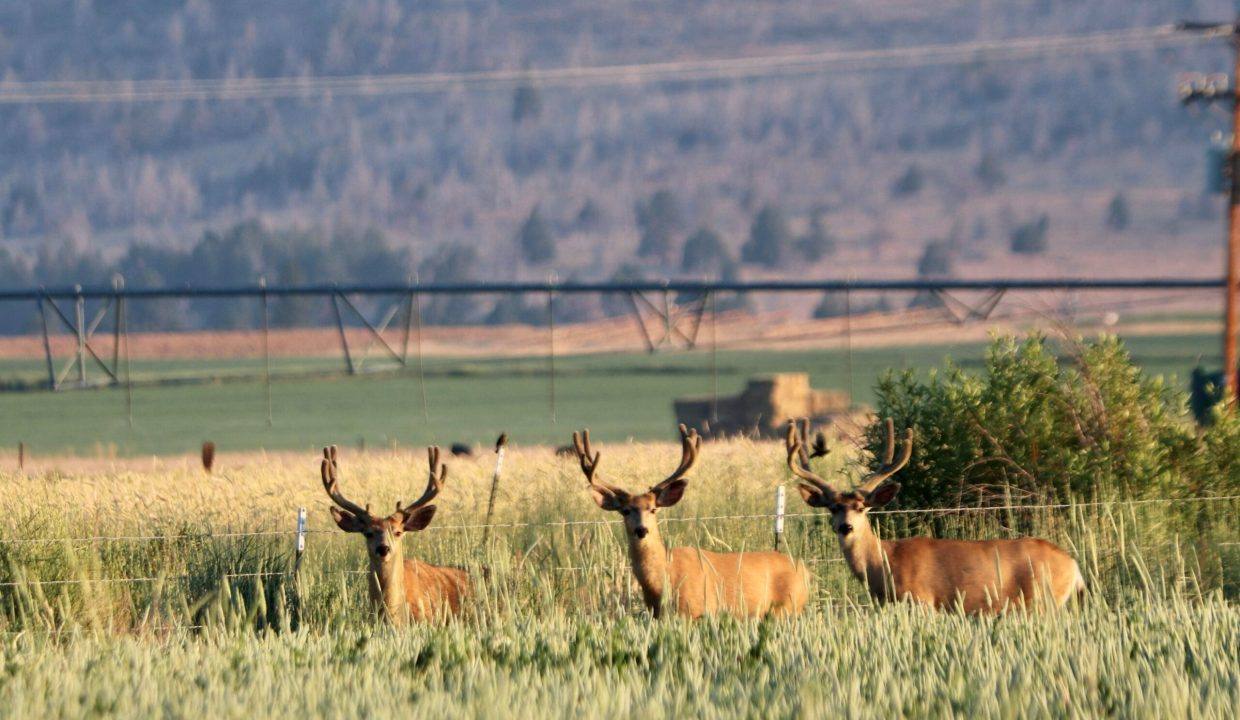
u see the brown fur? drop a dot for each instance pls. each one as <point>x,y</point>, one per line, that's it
<point>694,582</point>
<point>420,592</point>
<point>400,589</point>
<point>690,581</point>
<point>976,576</point>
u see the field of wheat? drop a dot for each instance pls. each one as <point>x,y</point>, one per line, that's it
<point>148,587</point>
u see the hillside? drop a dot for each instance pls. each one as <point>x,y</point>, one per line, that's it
<point>860,171</point>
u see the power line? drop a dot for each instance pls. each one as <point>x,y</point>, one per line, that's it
<point>739,68</point>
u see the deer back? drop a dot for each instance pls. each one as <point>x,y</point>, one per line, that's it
<point>981,576</point>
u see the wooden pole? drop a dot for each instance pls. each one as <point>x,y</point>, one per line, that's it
<point>500,446</point>
<point>1233,236</point>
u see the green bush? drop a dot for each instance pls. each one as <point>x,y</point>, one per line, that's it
<point>1035,426</point>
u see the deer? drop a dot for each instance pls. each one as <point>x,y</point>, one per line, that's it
<point>400,589</point>
<point>975,576</point>
<point>690,581</point>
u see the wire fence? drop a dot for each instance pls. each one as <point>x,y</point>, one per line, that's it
<point>300,534</point>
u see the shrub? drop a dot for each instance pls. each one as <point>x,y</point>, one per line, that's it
<point>817,242</point>
<point>769,237</point>
<point>659,218</point>
<point>1030,238</point>
<point>1118,215</point>
<point>534,238</point>
<point>910,183</point>
<point>1036,426</point>
<point>704,250</point>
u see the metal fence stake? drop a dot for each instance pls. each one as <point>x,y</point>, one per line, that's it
<point>500,445</point>
<point>779,517</point>
<point>301,539</point>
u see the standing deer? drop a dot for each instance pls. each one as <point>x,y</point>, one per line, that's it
<point>978,576</point>
<point>400,589</point>
<point>693,582</point>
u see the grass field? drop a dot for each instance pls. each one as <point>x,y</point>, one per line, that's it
<point>557,629</point>
<point>619,396</point>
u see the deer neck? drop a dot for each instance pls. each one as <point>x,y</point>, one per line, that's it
<point>387,584</point>
<point>865,555</point>
<point>649,558</point>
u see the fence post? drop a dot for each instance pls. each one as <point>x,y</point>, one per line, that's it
<point>500,446</point>
<point>779,517</point>
<point>301,539</point>
<point>21,456</point>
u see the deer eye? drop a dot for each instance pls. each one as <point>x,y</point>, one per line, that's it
<point>625,511</point>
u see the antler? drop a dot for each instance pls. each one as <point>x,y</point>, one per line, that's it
<point>798,457</point>
<point>690,443</point>
<point>589,461</point>
<point>331,483</point>
<point>434,483</point>
<point>889,468</point>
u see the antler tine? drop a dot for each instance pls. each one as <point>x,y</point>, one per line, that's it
<point>690,444</point>
<point>589,460</point>
<point>434,482</point>
<point>802,427</point>
<point>889,468</point>
<point>331,483</point>
<point>798,459</point>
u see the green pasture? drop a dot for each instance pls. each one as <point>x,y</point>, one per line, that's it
<point>467,400</point>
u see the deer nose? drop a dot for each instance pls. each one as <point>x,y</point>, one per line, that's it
<point>382,550</point>
<point>844,529</point>
<point>640,532</point>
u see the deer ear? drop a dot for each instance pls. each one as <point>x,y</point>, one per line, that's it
<point>813,496</point>
<point>671,494</point>
<point>882,495</point>
<point>605,499</point>
<point>419,519</point>
<point>345,520</point>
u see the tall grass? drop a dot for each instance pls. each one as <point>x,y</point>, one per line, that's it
<point>217,623</point>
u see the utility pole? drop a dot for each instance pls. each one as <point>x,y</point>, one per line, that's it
<point>1210,89</point>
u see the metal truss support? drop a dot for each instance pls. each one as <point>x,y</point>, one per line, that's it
<point>374,331</point>
<point>84,333</point>
<point>962,312</point>
<point>669,317</point>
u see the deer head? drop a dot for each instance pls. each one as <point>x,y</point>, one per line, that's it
<point>382,534</point>
<point>638,510</point>
<point>848,509</point>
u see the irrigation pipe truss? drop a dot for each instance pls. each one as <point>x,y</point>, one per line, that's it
<point>678,71</point>
<point>688,287</point>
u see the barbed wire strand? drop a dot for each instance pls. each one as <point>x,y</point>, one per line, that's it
<point>698,519</point>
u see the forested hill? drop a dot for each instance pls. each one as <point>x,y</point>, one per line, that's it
<point>1071,164</point>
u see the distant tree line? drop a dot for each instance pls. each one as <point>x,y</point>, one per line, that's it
<point>239,255</point>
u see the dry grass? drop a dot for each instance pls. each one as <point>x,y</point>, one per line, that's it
<point>556,630</point>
